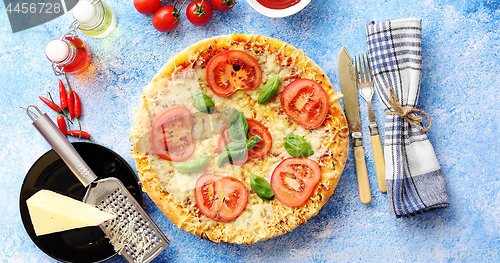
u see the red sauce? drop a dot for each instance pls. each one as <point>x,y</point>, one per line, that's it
<point>82,59</point>
<point>278,4</point>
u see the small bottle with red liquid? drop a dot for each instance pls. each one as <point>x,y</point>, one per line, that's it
<point>68,54</point>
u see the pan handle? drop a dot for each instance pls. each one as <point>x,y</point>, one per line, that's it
<point>62,146</point>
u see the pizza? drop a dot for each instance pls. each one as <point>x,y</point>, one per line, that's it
<point>239,138</point>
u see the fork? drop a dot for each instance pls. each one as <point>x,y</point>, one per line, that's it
<point>364,78</point>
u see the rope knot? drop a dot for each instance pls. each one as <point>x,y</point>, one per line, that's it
<point>408,113</point>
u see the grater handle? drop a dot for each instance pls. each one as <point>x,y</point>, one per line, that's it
<point>62,147</point>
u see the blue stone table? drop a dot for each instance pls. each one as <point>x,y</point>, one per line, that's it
<point>460,90</point>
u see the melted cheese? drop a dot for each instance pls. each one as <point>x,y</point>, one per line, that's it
<point>279,125</point>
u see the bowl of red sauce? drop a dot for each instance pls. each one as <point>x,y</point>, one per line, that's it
<point>278,8</point>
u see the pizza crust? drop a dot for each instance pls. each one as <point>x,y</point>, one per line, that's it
<point>275,218</point>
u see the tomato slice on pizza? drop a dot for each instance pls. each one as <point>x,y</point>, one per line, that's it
<point>294,180</point>
<point>266,140</point>
<point>220,198</point>
<point>224,139</point>
<point>230,71</point>
<point>254,128</point>
<point>171,137</point>
<point>305,102</point>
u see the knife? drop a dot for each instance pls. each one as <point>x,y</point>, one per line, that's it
<point>347,79</point>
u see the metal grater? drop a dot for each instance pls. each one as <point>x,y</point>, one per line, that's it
<point>149,242</point>
<point>141,238</point>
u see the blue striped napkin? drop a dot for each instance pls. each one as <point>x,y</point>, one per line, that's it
<point>415,182</point>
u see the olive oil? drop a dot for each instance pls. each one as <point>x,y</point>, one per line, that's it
<point>95,19</point>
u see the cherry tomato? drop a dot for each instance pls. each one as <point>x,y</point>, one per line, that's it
<point>171,136</point>
<point>222,5</point>
<point>305,102</point>
<point>166,19</point>
<point>294,180</point>
<point>199,12</point>
<point>147,6</point>
<point>220,198</point>
<point>254,128</point>
<point>233,70</point>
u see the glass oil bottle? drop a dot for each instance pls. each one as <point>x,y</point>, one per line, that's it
<point>94,18</point>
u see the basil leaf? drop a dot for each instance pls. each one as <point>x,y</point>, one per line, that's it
<point>236,145</point>
<point>233,152</point>
<point>191,166</point>
<point>269,89</point>
<point>234,117</point>
<point>261,187</point>
<point>203,103</point>
<point>297,146</point>
<point>236,133</point>
<point>238,126</point>
<point>253,141</point>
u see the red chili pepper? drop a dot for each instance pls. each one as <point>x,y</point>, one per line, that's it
<point>71,104</point>
<point>81,134</point>
<point>77,105</point>
<point>51,104</point>
<point>62,95</point>
<point>61,123</point>
<point>70,99</point>
<point>78,109</point>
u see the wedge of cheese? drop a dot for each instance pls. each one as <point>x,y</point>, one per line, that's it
<point>52,212</point>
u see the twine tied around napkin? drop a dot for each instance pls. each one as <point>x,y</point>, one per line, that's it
<point>408,112</point>
<point>414,179</point>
